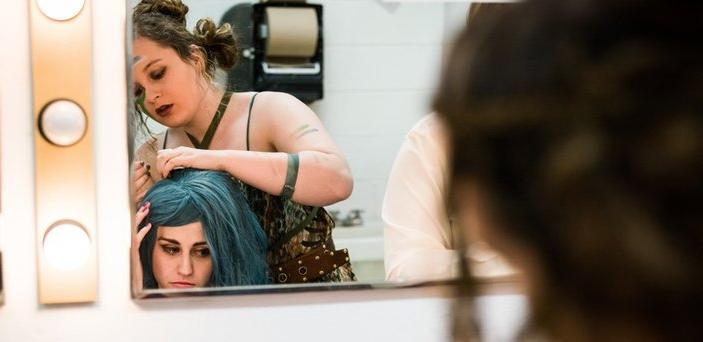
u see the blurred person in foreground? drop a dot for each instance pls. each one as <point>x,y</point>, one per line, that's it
<point>577,129</point>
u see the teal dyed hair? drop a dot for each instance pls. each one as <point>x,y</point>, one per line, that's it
<point>236,241</point>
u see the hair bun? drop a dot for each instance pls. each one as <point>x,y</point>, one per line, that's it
<point>219,42</point>
<point>174,9</point>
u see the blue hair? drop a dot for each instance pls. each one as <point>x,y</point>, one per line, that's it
<point>236,241</point>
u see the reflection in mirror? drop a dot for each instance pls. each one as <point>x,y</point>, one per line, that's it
<point>280,118</point>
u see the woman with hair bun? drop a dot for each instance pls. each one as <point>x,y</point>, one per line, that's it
<point>270,142</point>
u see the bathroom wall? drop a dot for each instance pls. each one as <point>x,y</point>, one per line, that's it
<point>419,314</point>
<point>382,64</point>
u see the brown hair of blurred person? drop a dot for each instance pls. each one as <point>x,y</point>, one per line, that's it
<point>463,322</point>
<point>577,129</point>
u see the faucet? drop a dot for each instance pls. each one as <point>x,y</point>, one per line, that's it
<point>335,215</point>
<point>353,218</point>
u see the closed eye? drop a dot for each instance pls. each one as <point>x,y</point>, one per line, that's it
<point>157,74</point>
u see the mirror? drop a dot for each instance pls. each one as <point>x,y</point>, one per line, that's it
<point>376,65</point>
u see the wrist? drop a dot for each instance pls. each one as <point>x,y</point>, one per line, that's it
<point>221,158</point>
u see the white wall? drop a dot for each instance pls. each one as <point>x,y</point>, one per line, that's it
<point>381,66</point>
<point>115,317</point>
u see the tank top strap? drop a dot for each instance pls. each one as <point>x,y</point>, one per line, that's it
<point>212,128</point>
<point>251,105</point>
<point>165,139</point>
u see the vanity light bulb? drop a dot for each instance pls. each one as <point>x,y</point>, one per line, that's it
<point>66,246</point>
<point>63,123</point>
<point>60,9</point>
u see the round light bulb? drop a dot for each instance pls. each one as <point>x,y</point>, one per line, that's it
<point>60,9</point>
<point>63,123</point>
<point>66,246</point>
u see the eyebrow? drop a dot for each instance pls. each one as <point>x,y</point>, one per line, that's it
<point>175,242</point>
<point>150,63</point>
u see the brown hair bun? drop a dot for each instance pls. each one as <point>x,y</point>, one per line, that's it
<point>175,9</point>
<point>219,42</point>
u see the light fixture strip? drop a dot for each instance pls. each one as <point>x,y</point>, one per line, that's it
<point>64,175</point>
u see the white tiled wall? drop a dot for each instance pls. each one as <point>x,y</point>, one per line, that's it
<point>382,61</point>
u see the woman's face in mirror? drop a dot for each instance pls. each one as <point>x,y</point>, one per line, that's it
<point>181,257</point>
<point>168,84</point>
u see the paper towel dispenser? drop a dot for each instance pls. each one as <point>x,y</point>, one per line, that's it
<point>281,48</point>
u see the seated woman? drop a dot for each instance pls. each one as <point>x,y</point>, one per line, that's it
<point>206,234</point>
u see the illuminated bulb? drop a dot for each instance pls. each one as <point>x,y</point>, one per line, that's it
<point>60,9</point>
<point>66,246</point>
<point>63,122</point>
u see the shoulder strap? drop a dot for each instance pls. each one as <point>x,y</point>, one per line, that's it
<point>251,105</point>
<point>207,139</point>
<point>165,139</point>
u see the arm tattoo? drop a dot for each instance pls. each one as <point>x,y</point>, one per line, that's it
<point>304,130</point>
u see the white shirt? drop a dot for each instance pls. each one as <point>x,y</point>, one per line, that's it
<point>419,244</point>
<point>417,234</point>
